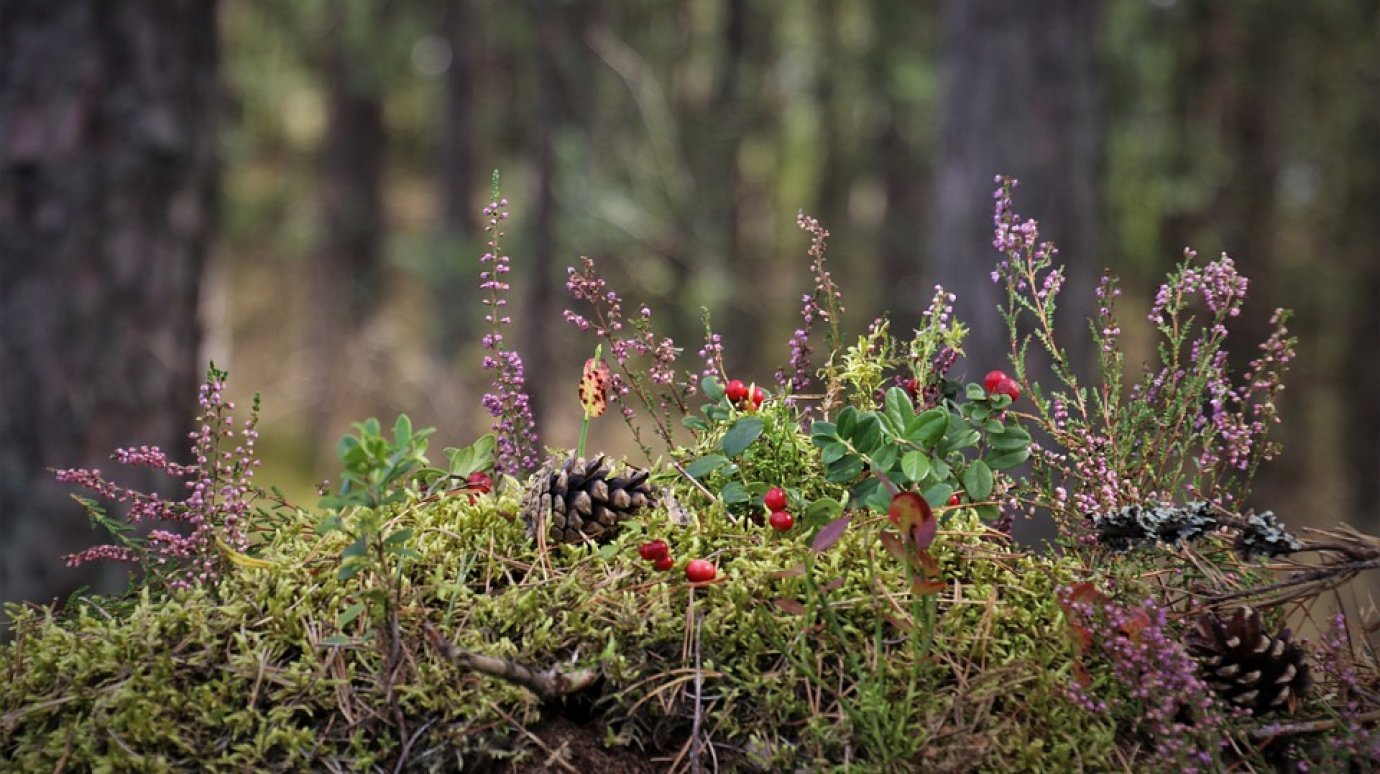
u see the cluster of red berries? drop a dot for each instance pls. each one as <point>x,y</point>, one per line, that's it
<point>744,397</point>
<point>781,519</point>
<point>998,383</point>
<point>659,554</point>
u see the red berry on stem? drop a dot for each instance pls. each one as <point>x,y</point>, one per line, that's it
<point>911,386</point>
<point>653,550</point>
<point>775,499</point>
<point>955,498</point>
<point>758,396</point>
<point>991,380</point>
<point>700,571</point>
<point>1010,388</point>
<point>480,482</point>
<point>736,391</point>
<point>781,521</point>
<point>663,563</point>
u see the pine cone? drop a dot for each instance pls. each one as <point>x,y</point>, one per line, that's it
<point>579,499</point>
<point>1245,665</point>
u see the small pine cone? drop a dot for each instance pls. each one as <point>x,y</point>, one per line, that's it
<point>582,499</point>
<point>1245,665</point>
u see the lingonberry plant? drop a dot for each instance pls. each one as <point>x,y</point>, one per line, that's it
<point>218,506</point>
<point>1187,429</point>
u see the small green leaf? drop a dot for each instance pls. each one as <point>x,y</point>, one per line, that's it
<point>925,429</point>
<point>335,640</point>
<point>1011,438</point>
<point>741,435</point>
<point>351,613</point>
<point>822,509</point>
<point>988,512</point>
<point>977,480</point>
<point>832,451</point>
<point>899,407</point>
<point>399,537</point>
<point>844,469</point>
<point>1007,460</point>
<point>823,430</point>
<point>993,426</point>
<point>847,421</point>
<point>939,495</point>
<point>734,492</point>
<point>356,548</point>
<point>402,430</point>
<point>693,422</point>
<point>711,388</point>
<point>879,499</point>
<point>705,465</point>
<point>975,392</point>
<point>915,465</point>
<point>868,434</point>
<point>885,457</point>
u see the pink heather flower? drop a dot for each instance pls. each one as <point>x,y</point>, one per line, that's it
<point>508,401</point>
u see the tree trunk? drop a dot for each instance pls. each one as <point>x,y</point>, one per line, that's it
<point>107,185</point>
<point>1020,97</point>
<point>347,268</point>
<point>458,176</point>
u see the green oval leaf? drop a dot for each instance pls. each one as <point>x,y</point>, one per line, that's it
<point>705,465</point>
<point>1008,459</point>
<point>711,388</point>
<point>925,429</point>
<point>734,492</point>
<point>741,435</point>
<point>885,457</point>
<point>848,420</point>
<point>833,451</point>
<point>844,469</point>
<point>977,480</point>
<point>915,465</point>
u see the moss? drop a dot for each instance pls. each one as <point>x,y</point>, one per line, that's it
<point>237,676</point>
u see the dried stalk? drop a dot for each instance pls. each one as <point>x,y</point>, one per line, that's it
<point>548,684</point>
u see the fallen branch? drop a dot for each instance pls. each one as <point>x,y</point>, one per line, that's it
<point>1308,726</point>
<point>548,684</point>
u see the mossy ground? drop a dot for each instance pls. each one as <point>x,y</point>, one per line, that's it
<point>237,675</point>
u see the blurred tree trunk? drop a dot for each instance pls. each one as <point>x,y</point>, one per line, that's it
<point>458,176</point>
<point>107,185</point>
<point>1020,97</point>
<point>347,266</point>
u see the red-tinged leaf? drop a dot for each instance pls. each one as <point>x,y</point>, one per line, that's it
<point>893,545</point>
<point>896,622</point>
<point>831,585</point>
<point>926,562</point>
<point>1085,591</point>
<point>829,534</point>
<point>921,587</point>
<point>908,511</point>
<point>1135,623</point>
<point>1080,673</point>
<point>790,606</point>
<point>1082,637</point>
<point>790,572</point>
<point>922,535</point>
<point>594,387</point>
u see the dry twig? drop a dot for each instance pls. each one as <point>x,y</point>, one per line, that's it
<point>547,684</point>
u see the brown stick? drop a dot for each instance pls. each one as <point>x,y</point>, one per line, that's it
<point>548,684</point>
<point>1336,573</point>
<point>1308,727</point>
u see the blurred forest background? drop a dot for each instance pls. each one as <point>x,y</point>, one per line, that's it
<point>293,189</point>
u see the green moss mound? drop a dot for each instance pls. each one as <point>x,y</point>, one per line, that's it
<point>269,669</point>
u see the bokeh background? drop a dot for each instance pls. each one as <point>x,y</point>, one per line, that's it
<point>293,189</point>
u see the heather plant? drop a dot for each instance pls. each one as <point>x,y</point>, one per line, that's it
<point>215,514</point>
<point>1185,431</point>
<point>508,402</point>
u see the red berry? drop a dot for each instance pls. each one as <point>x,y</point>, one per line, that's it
<point>775,499</point>
<point>955,498</point>
<point>1010,388</point>
<point>758,396</point>
<point>480,482</point>
<point>736,391</point>
<point>653,550</point>
<point>663,563</point>
<point>912,386</point>
<point>991,380</point>
<point>700,571</point>
<point>781,521</point>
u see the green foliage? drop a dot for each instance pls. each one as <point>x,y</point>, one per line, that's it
<point>376,468</point>
<point>272,670</point>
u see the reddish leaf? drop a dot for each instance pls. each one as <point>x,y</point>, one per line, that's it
<point>893,545</point>
<point>1136,623</point>
<point>1085,591</point>
<point>790,572</point>
<point>829,534</point>
<point>912,514</point>
<point>790,606</point>
<point>926,563</point>
<point>831,585</point>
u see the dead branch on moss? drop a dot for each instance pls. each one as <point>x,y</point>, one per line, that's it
<point>1346,553</point>
<point>548,684</point>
